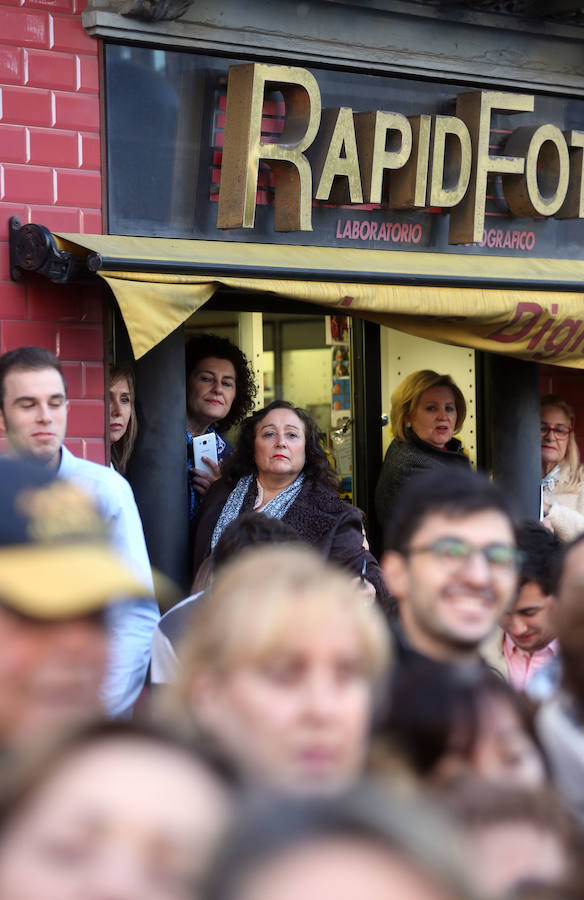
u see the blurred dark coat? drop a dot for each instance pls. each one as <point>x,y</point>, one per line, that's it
<point>405,460</point>
<point>318,515</point>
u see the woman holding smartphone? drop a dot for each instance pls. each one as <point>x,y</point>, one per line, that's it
<point>220,393</point>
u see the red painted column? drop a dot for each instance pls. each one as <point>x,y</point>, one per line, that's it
<point>50,173</point>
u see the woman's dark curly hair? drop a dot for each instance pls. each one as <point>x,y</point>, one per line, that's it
<point>242,461</point>
<point>204,345</point>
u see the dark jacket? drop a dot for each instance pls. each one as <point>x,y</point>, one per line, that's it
<point>405,460</point>
<point>319,516</point>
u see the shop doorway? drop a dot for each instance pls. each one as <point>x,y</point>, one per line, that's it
<point>343,370</point>
<point>305,358</point>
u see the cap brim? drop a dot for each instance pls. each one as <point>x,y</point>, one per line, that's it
<point>64,580</point>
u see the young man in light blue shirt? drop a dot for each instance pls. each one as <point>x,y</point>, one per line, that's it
<point>33,414</point>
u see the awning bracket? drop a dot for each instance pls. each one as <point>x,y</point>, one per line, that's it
<point>33,249</point>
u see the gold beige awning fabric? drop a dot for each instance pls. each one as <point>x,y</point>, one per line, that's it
<point>535,312</point>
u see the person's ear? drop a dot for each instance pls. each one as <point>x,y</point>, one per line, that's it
<point>2,422</point>
<point>395,573</point>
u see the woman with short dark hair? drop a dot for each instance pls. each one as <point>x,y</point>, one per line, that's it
<point>450,721</point>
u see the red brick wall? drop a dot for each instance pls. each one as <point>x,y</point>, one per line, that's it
<point>50,174</point>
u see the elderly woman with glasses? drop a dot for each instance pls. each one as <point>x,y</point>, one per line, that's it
<point>562,473</point>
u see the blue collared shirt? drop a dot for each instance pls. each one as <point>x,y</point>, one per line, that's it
<point>131,622</point>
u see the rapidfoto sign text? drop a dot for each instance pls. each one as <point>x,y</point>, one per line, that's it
<point>341,156</point>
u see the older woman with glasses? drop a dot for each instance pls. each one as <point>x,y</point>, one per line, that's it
<point>562,473</point>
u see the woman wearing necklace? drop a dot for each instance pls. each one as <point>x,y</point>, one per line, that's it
<point>562,474</point>
<point>280,468</point>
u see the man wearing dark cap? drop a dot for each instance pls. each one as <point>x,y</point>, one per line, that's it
<point>57,574</point>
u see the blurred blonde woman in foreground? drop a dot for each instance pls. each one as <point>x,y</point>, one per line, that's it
<point>280,666</point>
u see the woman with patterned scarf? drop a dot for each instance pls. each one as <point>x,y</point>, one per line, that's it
<point>280,468</point>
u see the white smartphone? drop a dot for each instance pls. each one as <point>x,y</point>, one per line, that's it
<point>204,445</point>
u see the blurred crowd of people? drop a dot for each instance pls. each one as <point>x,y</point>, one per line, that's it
<point>310,720</point>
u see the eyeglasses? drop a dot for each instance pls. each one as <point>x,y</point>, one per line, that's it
<point>453,551</point>
<point>561,431</point>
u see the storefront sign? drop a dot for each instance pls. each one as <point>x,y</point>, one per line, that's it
<point>175,147</point>
<point>345,157</point>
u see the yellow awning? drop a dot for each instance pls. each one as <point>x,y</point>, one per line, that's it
<point>527,308</point>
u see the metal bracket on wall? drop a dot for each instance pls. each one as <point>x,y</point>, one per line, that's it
<point>33,250</point>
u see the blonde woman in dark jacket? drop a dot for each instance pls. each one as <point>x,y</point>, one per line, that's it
<point>427,409</point>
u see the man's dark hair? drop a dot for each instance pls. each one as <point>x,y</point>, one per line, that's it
<point>541,554</point>
<point>25,359</point>
<point>245,532</point>
<point>249,530</point>
<point>204,345</point>
<point>441,493</point>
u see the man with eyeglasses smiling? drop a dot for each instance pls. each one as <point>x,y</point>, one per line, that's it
<point>451,562</point>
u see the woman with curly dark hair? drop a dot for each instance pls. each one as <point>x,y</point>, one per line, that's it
<point>220,393</point>
<point>280,468</point>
